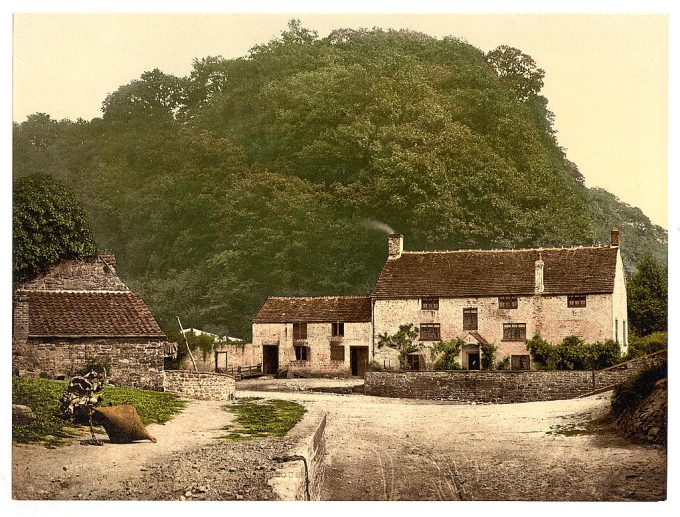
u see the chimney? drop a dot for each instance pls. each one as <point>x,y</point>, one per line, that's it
<point>616,240</point>
<point>20,317</point>
<point>395,246</point>
<point>538,275</point>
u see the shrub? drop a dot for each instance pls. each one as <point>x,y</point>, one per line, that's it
<point>635,389</point>
<point>604,355</point>
<point>375,366</point>
<point>446,354</point>
<point>639,346</point>
<point>503,364</point>
<point>403,341</point>
<point>543,354</point>
<point>488,355</point>
<point>573,354</point>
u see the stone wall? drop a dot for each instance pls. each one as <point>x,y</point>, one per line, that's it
<point>129,362</point>
<point>648,420</point>
<point>96,274</point>
<point>200,385</point>
<point>501,386</point>
<point>245,354</point>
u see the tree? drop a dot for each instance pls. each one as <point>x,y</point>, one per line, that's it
<point>648,297</point>
<point>48,225</point>
<point>488,355</point>
<point>403,341</point>
<point>517,70</point>
<point>445,354</point>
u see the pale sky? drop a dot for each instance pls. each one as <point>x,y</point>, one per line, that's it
<point>606,75</point>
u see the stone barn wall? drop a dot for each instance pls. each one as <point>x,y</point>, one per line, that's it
<point>137,363</point>
<point>501,386</point>
<point>200,385</point>
<point>246,354</point>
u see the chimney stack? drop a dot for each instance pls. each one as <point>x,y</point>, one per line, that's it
<point>616,240</point>
<point>538,275</point>
<point>20,313</point>
<point>395,246</point>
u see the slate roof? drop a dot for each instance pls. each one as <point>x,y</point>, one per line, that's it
<point>314,309</point>
<point>89,314</point>
<point>582,270</point>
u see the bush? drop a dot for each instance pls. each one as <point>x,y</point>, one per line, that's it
<point>573,354</point>
<point>488,355</point>
<point>639,346</point>
<point>503,364</point>
<point>446,354</point>
<point>375,366</point>
<point>635,389</point>
<point>403,341</point>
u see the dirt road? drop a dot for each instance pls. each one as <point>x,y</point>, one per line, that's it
<point>395,449</point>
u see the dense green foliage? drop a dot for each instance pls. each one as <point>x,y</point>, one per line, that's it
<point>488,352</point>
<point>639,346</point>
<point>253,176</point>
<point>403,341</point>
<point>648,297</point>
<point>48,225</point>
<point>43,396</point>
<point>573,354</point>
<point>637,388</point>
<point>257,418</point>
<point>445,354</point>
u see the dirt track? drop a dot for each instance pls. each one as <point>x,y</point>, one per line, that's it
<point>395,449</point>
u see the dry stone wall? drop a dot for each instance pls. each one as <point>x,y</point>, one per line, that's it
<point>137,363</point>
<point>200,385</point>
<point>648,420</point>
<point>501,386</point>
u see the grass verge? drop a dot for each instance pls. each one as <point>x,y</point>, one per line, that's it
<point>257,418</point>
<point>43,395</point>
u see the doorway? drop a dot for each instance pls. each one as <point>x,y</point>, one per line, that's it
<point>473,361</point>
<point>270,359</point>
<point>358,360</point>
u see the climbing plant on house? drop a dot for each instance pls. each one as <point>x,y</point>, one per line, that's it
<point>445,354</point>
<point>403,341</point>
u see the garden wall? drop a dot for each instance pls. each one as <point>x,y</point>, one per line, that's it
<point>200,385</point>
<point>129,362</point>
<point>501,386</point>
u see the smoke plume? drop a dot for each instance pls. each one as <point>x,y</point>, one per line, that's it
<point>377,225</point>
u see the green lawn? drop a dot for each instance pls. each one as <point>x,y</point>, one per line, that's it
<point>43,395</point>
<point>258,418</point>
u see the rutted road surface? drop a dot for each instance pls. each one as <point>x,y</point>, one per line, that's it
<point>396,449</point>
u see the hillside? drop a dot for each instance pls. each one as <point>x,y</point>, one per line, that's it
<point>255,176</point>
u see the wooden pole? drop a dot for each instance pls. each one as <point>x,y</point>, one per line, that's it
<point>187,344</point>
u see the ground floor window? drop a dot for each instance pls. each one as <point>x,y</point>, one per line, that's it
<point>414,362</point>
<point>520,362</point>
<point>337,353</point>
<point>302,353</point>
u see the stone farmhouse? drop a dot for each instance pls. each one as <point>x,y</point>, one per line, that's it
<point>481,296</point>
<point>80,312</point>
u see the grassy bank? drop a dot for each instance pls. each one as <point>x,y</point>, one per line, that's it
<point>43,395</point>
<point>259,418</point>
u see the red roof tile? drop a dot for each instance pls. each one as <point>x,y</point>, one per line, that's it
<point>89,314</point>
<point>497,272</point>
<point>314,309</point>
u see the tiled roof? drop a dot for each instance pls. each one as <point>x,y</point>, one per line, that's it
<point>89,314</point>
<point>497,272</point>
<point>314,309</point>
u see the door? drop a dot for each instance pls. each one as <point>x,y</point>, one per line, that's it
<point>270,359</point>
<point>358,360</point>
<point>220,361</point>
<point>473,361</point>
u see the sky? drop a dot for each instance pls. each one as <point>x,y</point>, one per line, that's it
<point>606,75</point>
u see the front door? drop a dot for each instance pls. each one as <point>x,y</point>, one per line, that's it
<point>473,361</point>
<point>270,359</point>
<point>358,360</point>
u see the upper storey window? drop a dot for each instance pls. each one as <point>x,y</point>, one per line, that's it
<point>576,300</point>
<point>507,302</point>
<point>299,330</point>
<point>430,304</point>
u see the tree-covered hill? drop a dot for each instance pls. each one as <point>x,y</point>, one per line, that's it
<point>254,176</point>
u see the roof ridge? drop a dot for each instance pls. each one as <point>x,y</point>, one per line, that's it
<point>350,296</point>
<point>550,248</point>
<point>78,291</point>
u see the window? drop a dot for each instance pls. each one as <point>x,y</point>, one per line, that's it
<point>616,330</point>
<point>413,361</point>
<point>624,337</point>
<point>507,302</point>
<point>337,329</point>
<point>430,304</point>
<point>470,319</point>
<point>576,300</point>
<point>429,332</point>
<point>302,353</point>
<point>520,362</point>
<point>299,330</point>
<point>514,331</point>
<point>337,353</point>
